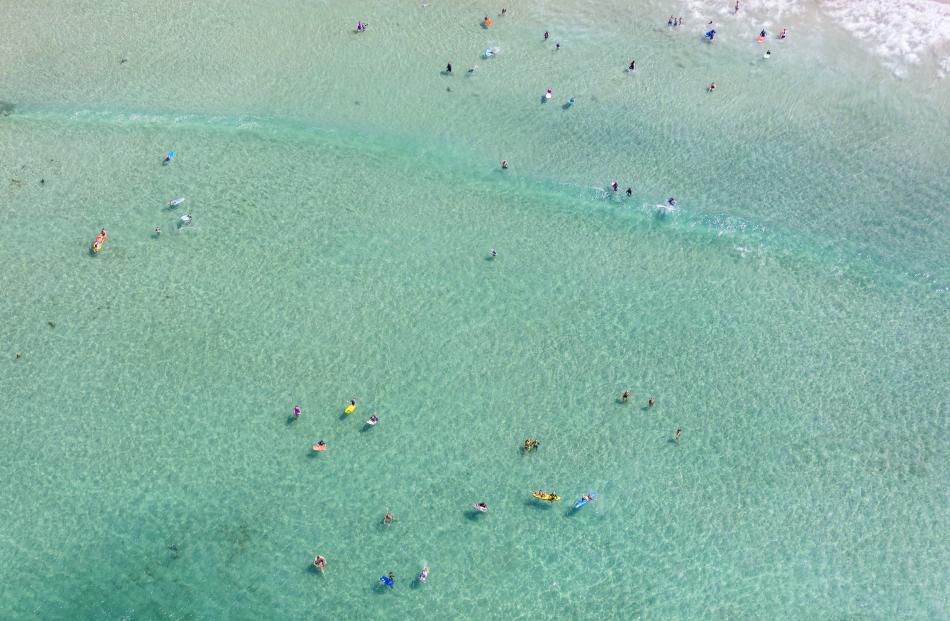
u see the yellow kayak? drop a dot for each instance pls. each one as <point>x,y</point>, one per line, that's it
<point>545,496</point>
<point>350,408</point>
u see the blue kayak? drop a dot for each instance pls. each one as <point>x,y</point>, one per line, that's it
<point>583,501</point>
<point>387,581</point>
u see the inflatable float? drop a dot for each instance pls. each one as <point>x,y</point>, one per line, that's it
<point>545,496</point>
<point>350,408</point>
<point>97,243</point>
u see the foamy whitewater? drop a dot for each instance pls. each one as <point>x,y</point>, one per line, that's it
<point>335,225</point>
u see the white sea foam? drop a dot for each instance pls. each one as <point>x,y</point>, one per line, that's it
<point>903,32</point>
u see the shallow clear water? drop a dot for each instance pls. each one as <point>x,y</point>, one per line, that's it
<point>791,317</point>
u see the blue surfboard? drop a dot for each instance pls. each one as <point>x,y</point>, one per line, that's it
<point>583,501</point>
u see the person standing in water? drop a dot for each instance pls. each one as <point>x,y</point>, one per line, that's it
<point>625,396</point>
<point>448,67</point>
<point>633,65</point>
<point>546,35</point>
<point>651,402</point>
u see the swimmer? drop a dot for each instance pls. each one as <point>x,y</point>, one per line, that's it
<point>671,202</point>
<point>424,574</point>
<point>473,70</point>
<point>448,68</point>
<point>493,254</point>
<point>651,402</point>
<point>503,13</point>
<point>633,65</point>
<point>504,164</point>
<point>625,396</point>
<point>629,191</point>
<point>360,26</point>
<point>320,563</point>
<point>535,444</point>
<point>168,158</point>
<point>296,412</point>
<point>737,6</point>
<point>17,355</point>
<point>548,94</point>
<point>557,46</point>
<point>388,519</point>
<point>527,444</point>
<point>158,231</point>
<point>763,33</point>
<point>614,186</point>
<point>678,434</point>
<point>546,35</point>
<point>768,54</point>
<point>669,22</point>
<point>480,506</point>
<point>392,579</point>
<point>711,87</point>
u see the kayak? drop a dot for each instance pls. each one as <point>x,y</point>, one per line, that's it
<point>583,501</point>
<point>548,497</point>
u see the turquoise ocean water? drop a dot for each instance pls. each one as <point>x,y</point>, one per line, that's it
<point>791,316</point>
